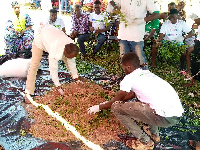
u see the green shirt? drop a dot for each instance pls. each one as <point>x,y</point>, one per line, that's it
<point>153,25</point>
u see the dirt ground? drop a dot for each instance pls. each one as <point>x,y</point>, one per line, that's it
<point>78,97</point>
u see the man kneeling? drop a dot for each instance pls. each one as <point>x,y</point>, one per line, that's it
<point>158,104</point>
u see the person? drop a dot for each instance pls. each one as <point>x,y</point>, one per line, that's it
<point>157,107</point>
<point>60,47</point>
<point>151,32</point>
<point>195,66</point>
<point>55,20</point>
<point>80,28</point>
<point>132,26</point>
<point>172,30</point>
<point>98,25</point>
<point>181,11</point>
<point>171,5</point>
<point>64,7</point>
<point>189,41</point>
<point>19,33</point>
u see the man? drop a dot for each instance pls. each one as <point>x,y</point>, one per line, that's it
<point>132,25</point>
<point>60,47</point>
<point>172,30</point>
<point>80,28</point>
<point>19,34</point>
<point>64,7</point>
<point>55,20</point>
<point>157,107</point>
<point>98,25</point>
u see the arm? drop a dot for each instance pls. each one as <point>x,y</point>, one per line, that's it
<point>161,36</point>
<point>151,34</point>
<point>53,67</point>
<point>63,29</point>
<point>197,21</point>
<point>190,34</point>
<point>102,30</point>
<point>152,17</point>
<point>120,95</point>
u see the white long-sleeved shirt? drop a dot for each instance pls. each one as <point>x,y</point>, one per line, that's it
<point>53,41</point>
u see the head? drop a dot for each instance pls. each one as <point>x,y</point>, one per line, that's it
<point>71,50</point>
<point>97,7</point>
<point>171,5</point>
<point>130,62</point>
<point>53,15</point>
<point>77,10</point>
<point>15,5</point>
<point>173,16</point>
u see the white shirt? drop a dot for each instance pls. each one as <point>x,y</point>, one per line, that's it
<point>98,21</point>
<point>53,41</point>
<point>174,31</point>
<point>198,34</point>
<point>151,89</point>
<point>59,23</point>
<point>134,9</point>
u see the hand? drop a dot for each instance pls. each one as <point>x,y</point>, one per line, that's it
<point>94,109</point>
<point>81,79</point>
<point>16,32</point>
<point>98,31</point>
<point>22,32</point>
<point>104,102</point>
<point>60,90</point>
<point>91,29</point>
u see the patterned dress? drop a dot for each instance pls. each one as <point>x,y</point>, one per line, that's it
<point>16,43</point>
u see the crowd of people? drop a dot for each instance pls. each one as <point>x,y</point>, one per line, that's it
<point>155,106</point>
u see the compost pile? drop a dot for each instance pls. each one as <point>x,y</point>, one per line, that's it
<point>78,97</point>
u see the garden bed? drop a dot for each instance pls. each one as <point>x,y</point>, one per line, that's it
<point>99,128</point>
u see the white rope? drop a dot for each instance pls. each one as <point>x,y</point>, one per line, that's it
<point>62,120</point>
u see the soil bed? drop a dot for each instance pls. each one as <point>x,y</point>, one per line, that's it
<point>78,97</point>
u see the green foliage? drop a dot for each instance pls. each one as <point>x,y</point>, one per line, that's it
<point>170,52</point>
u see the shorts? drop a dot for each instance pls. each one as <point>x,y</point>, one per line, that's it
<point>189,42</point>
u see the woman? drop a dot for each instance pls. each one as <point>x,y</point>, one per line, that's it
<point>19,33</point>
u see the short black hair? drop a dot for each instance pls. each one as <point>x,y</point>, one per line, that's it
<point>173,11</point>
<point>172,3</point>
<point>97,2</point>
<point>53,11</point>
<point>132,59</point>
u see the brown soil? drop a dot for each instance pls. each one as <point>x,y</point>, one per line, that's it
<point>78,97</point>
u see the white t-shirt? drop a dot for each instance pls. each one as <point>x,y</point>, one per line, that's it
<point>174,31</point>
<point>198,34</point>
<point>98,21</point>
<point>151,89</point>
<point>53,41</point>
<point>59,23</point>
<point>134,9</point>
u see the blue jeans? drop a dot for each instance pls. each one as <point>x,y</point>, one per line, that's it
<point>62,4</point>
<point>101,39</point>
<point>137,47</point>
<point>81,39</point>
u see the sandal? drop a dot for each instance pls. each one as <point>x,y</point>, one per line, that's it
<point>137,145</point>
<point>154,137</point>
